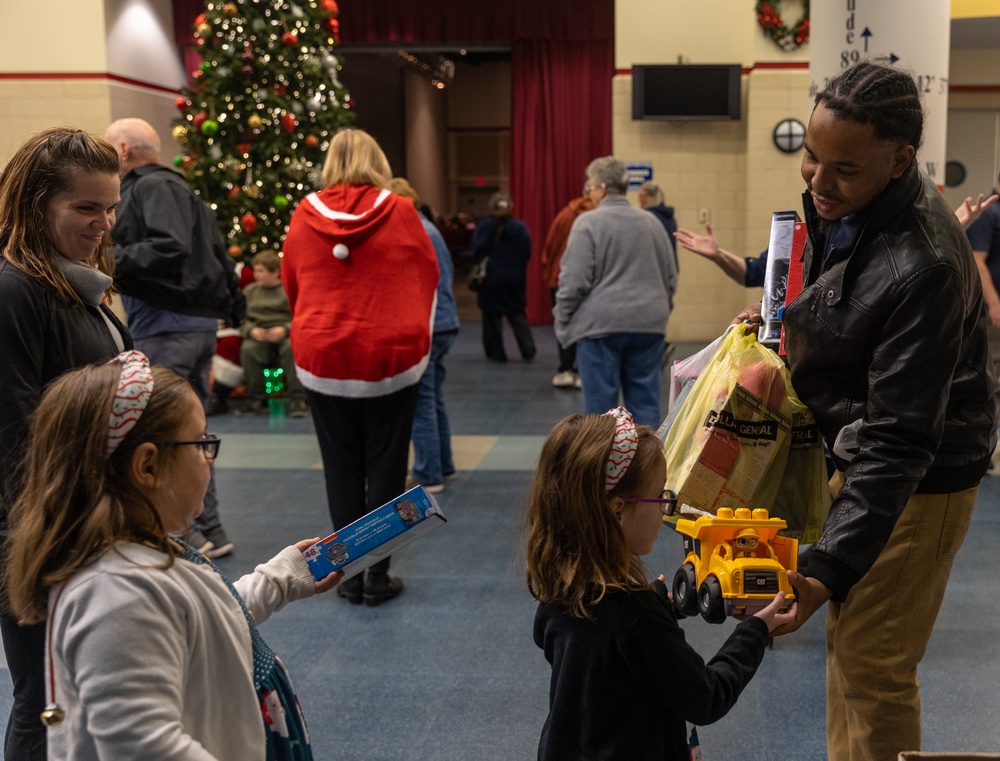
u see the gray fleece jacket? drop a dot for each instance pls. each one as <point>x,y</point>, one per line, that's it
<point>617,276</point>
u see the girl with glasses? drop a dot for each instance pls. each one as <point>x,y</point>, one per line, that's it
<point>625,683</point>
<point>152,652</point>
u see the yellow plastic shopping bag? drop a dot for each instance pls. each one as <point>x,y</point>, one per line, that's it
<point>726,440</point>
<point>803,498</point>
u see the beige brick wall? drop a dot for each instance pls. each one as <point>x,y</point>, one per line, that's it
<point>34,104</point>
<point>730,169</point>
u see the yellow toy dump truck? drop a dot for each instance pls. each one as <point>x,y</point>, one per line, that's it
<point>735,563</point>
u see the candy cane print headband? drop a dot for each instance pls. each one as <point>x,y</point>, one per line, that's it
<point>135,385</point>
<point>623,447</point>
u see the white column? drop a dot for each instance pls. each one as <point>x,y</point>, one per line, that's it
<point>426,141</point>
<point>914,35</point>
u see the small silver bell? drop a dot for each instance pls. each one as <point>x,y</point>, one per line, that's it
<point>53,715</point>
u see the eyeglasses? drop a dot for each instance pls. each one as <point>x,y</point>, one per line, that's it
<point>667,501</point>
<point>208,444</point>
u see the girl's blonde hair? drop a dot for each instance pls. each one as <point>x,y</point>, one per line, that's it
<point>42,167</point>
<point>77,501</point>
<point>354,158</point>
<point>576,550</point>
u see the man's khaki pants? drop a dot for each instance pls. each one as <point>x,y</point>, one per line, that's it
<point>878,635</point>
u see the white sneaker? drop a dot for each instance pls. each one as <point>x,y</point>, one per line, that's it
<point>563,379</point>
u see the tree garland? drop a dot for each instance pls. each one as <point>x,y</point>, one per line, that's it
<point>787,38</point>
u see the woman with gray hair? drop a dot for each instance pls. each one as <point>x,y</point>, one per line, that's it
<point>616,285</point>
<point>503,293</point>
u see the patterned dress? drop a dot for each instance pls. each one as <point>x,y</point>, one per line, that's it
<point>284,724</point>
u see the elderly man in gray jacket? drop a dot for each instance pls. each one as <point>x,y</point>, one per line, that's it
<point>616,286</point>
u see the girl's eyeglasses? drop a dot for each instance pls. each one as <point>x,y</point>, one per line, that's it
<point>667,501</point>
<point>209,445</point>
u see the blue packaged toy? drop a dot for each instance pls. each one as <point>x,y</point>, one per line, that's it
<point>377,535</point>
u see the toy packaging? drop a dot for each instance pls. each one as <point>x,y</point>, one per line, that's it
<point>375,536</point>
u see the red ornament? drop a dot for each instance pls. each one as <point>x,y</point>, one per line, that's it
<point>230,9</point>
<point>330,6</point>
<point>200,19</point>
<point>334,25</point>
<point>244,148</point>
<point>249,223</point>
<point>196,74</point>
<point>290,39</point>
<point>188,161</point>
<point>233,192</point>
<point>181,103</point>
<point>311,141</point>
<point>288,123</point>
<point>235,251</point>
<point>199,119</point>
<point>280,90</point>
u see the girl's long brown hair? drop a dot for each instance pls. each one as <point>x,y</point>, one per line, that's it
<point>76,500</point>
<point>576,549</point>
<point>42,167</point>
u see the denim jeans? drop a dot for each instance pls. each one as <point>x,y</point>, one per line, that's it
<point>626,363</point>
<point>431,430</point>
<point>190,356</point>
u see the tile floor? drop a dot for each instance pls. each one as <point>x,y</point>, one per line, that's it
<point>449,672</point>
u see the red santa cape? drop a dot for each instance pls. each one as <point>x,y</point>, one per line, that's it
<point>361,277</point>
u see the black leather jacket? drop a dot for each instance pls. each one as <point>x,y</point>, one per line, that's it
<point>887,344</point>
<point>170,252</point>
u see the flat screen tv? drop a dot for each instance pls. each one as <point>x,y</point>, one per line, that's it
<point>688,91</point>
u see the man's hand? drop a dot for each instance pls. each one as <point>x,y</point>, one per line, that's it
<point>809,595</point>
<point>703,245</point>
<point>971,210</point>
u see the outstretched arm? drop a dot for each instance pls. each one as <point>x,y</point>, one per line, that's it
<point>707,246</point>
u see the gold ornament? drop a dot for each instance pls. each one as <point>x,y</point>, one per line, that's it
<point>254,121</point>
<point>53,715</point>
<point>253,191</point>
<point>203,30</point>
<point>180,133</point>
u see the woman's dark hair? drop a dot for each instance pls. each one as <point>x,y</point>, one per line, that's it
<point>42,167</point>
<point>882,96</point>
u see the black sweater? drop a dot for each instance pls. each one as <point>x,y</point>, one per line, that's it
<point>625,681</point>
<point>41,337</point>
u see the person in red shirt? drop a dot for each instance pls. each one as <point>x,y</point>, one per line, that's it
<point>555,244</point>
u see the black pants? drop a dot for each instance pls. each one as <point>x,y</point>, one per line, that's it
<point>493,336</point>
<point>24,647</point>
<point>567,354</point>
<point>365,444</point>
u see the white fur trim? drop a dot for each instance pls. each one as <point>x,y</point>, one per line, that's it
<point>360,389</point>
<point>326,211</point>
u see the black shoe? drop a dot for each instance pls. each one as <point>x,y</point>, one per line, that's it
<point>218,543</point>
<point>251,407</point>
<point>298,408</point>
<point>380,587</point>
<point>215,406</point>
<point>351,590</point>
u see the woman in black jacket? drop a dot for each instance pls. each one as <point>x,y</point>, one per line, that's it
<point>58,196</point>
<point>503,292</point>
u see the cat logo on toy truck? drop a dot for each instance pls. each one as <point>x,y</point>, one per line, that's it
<point>735,563</point>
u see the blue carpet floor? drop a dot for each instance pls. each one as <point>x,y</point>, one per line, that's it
<point>448,670</point>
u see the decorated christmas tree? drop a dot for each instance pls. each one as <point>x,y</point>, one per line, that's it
<point>257,119</point>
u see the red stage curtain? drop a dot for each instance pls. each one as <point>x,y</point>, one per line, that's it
<point>561,119</point>
<point>562,55</point>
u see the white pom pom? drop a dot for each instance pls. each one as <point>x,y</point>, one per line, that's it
<point>340,251</point>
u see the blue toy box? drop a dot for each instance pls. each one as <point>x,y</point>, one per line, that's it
<point>375,536</point>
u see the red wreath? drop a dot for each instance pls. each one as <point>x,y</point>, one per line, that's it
<point>786,37</point>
